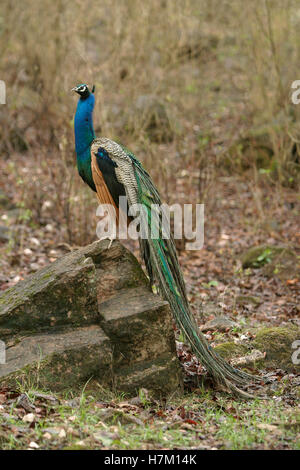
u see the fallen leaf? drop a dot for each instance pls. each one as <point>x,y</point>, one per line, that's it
<point>292,281</point>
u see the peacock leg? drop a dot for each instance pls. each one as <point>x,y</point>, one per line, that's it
<point>111,238</point>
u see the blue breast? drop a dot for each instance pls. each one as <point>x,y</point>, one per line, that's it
<point>84,136</point>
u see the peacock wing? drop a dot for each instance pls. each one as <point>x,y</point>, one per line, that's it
<point>103,193</point>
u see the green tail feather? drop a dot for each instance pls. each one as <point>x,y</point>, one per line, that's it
<point>163,267</point>
<point>222,373</point>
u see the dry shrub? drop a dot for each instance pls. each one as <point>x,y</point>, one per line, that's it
<point>219,68</point>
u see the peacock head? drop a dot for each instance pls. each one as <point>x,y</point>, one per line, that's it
<point>83,90</point>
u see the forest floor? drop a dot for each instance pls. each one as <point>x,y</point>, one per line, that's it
<point>239,217</point>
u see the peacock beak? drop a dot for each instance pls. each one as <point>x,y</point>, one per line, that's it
<point>74,89</point>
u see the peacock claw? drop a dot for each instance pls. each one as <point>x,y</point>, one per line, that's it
<point>111,238</point>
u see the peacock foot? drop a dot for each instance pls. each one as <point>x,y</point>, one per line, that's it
<point>109,237</point>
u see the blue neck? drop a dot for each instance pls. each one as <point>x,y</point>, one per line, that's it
<point>83,125</point>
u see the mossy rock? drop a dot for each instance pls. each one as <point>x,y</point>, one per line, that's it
<point>276,342</point>
<point>280,261</point>
<point>156,375</point>
<point>59,361</point>
<point>231,350</point>
<point>59,295</point>
<point>54,323</point>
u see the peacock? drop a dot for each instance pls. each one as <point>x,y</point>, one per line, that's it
<point>111,170</point>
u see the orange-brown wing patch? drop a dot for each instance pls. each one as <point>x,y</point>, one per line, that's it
<point>103,193</point>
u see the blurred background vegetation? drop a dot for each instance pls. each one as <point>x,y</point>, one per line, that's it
<point>198,90</point>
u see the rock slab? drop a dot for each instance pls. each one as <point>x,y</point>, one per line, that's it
<point>89,315</point>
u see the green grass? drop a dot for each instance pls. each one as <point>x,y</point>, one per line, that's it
<point>199,420</point>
